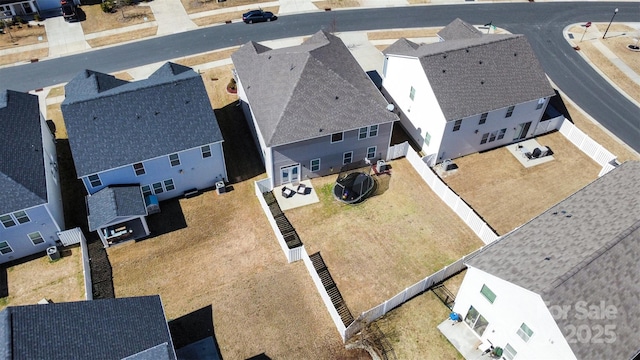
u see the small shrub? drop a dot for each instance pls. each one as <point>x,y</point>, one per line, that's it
<point>37,17</point>
<point>17,20</point>
<point>107,6</point>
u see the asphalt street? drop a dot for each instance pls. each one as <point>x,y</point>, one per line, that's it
<point>542,23</point>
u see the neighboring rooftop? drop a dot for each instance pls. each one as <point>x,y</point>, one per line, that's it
<point>459,29</point>
<point>113,122</point>
<point>22,173</point>
<point>473,74</point>
<point>308,91</point>
<point>107,329</point>
<point>585,248</point>
<point>114,202</point>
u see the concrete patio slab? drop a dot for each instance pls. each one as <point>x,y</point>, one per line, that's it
<point>462,338</point>
<point>518,151</point>
<point>296,200</point>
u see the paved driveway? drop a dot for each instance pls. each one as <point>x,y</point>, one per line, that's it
<point>64,38</point>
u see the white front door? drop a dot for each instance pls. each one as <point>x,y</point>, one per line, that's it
<point>290,174</point>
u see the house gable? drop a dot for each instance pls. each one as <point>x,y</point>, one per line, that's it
<point>113,123</point>
<point>478,74</point>
<point>307,91</point>
<point>582,252</point>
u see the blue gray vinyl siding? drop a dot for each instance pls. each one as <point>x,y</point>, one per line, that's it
<point>330,154</point>
<point>193,172</point>
<point>18,235</point>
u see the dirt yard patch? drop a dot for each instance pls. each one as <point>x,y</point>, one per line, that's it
<point>397,34</point>
<point>228,257</point>
<point>207,57</point>
<point>337,4</point>
<point>98,20</point>
<point>24,56</point>
<point>36,278</point>
<point>412,328</point>
<point>195,6</point>
<point>376,249</point>
<point>123,38</point>
<point>23,35</point>
<point>506,194</point>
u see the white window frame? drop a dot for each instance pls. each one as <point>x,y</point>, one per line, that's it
<point>39,237</point>
<point>483,118</point>
<point>142,170</point>
<point>148,191</point>
<point>341,137</point>
<point>427,138</point>
<point>171,184</point>
<point>177,158</point>
<point>522,332</point>
<point>206,151</point>
<point>19,216</point>
<point>485,138</point>
<point>155,189</point>
<point>375,150</point>
<point>484,286</point>
<point>312,167</point>
<point>457,124</point>
<point>501,134</point>
<point>510,111</point>
<point>372,132</point>
<point>13,221</point>
<point>344,157</point>
<point>363,133</point>
<point>540,103</point>
<point>412,93</point>
<point>509,352</point>
<point>4,248</point>
<point>95,182</point>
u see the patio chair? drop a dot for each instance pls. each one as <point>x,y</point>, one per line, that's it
<point>302,189</point>
<point>286,192</point>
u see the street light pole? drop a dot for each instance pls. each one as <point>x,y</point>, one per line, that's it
<point>614,15</point>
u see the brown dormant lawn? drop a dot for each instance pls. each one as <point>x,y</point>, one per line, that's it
<point>98,20</point>
<point>228,257</point>
<point>194,6</point>
<point>376,249</point>
<point>506,194</point>
<point>33,280</point>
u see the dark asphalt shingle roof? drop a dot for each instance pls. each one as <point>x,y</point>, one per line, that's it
<point>474,75</point>
<point>112,122</point>
<point>459,29</point>
<point>295,92</point>
<point>112,202</point>
<point>97,329</point>
<point>592,242</point>
<point>23,182</point>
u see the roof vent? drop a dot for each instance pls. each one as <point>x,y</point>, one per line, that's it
<point>480,62</point>
<point>515,54</point>
<point>467,50</point>
<point>156,113</point>
<point>444,56</point>
<point>548,258</point>
<point>481,82</point>
<point>391,107</point>
<point>444,71</point>
<point>337,97</point>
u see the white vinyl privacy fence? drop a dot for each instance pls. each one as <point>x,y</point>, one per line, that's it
<point>464,211</point>
<point>76,236</point>
<point>589,146</point>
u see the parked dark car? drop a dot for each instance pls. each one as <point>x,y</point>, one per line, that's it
<point>68,10</point>
<point>254,16</point>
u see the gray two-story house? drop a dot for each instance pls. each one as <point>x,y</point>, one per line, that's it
<point>30,200</point>
<point>159,134</point>
<point>311,107</point>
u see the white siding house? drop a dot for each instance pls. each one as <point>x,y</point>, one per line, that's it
<point>30,200</point>
<point>565,284</point>
<point>468,93</point>
<point>311,108</point>
<point>159,134</point>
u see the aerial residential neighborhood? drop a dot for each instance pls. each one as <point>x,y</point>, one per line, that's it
<point>287,180</point>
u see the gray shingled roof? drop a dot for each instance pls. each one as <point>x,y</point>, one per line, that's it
<point>97,329</point>
<point>459,29</point>
<point>307,91</point>
<point>112,202</point>
<point>585,248</point>
<point>112,122</point>
<point>471,76</point>
<point>23,182</point>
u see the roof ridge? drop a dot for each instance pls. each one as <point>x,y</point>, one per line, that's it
<point>594,256</point>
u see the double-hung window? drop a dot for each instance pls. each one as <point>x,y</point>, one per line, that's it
<point>524,332</point>
<point>36,238</point>
<point>347,158</point>
<point>362,133</point>
<point>21,217</point>
<point>5,248</point>
<point>510,111</point>
<point>7,221</point>
<point>483,118</point>
<point>139,169</point>
<point>174,159</point>
<point>206,151</point>
<point>371,152</point>
<point>373,130</point>
<point>94,180</point>
<point>457,124</point>
<point>315,165</point>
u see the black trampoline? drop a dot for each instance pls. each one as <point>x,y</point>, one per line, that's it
<point>353,188</point>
